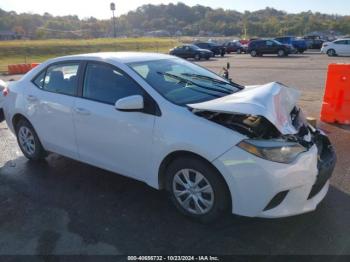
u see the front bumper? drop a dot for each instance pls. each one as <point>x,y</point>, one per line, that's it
<point>261,188</point>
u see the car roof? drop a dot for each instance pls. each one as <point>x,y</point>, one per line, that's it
<point>121,57</point>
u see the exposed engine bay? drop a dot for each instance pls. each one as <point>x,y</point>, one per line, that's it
<point>259,127</point>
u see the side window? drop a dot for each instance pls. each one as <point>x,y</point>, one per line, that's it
<point>340,42</point>
<point>39,80</point>
<point>269,43</point>
<point>61,78</point>
<point>106,84</point>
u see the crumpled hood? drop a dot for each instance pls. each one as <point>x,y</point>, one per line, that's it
<point>274,101</point>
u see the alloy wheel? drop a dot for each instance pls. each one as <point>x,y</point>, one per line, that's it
<point>26,140</point>
<point>193,191</point>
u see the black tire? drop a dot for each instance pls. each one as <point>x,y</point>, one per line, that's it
<point>239,51</point>
<point>217,183</point>
<point>254,53</point>
<point>197,57</point>
<point>301,51</point>
<point>39,152</point>
<point>331,52</point>
<point>207,58</point>
<point>281,53</point>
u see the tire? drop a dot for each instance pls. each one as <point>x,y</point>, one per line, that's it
<point>29,142</point>
<point>254,53</point>
<point>207,58</point>
<point>301,51</point>
<point>331,52</point>
<point>239,51</point>
<point>281,53</point>
<point>216,193</point>
<point>197,57</point>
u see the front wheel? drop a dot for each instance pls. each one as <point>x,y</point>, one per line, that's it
<point>331,52</point>
<point>253,53</point>
<point>281,53</point>
<point>197,189</point>
<point>29,142</point>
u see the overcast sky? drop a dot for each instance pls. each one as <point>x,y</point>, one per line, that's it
<point>100,8</point>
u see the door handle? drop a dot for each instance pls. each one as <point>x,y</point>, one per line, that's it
<point>32,98</point>
<point>81,111</point>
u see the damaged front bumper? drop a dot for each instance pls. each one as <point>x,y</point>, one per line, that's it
<point>262,188</point>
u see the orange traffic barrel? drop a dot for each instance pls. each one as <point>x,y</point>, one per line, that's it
<point>33,65</point>
<point>336,101</point>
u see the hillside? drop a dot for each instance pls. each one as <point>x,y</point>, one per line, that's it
<point>177,19</point>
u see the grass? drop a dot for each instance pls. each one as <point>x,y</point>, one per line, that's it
<point>36,51</point>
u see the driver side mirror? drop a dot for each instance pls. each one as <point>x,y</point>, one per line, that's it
<point>130,103</point>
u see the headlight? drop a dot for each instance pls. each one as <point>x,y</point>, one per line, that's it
<point>273,150</point>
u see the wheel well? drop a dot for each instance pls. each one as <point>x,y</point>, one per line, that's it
<point>16,118</point>
<point>177,154</point>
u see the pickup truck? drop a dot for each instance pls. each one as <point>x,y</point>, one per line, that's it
<point>299,44</point>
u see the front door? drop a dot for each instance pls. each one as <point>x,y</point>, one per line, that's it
<point>114,140</point>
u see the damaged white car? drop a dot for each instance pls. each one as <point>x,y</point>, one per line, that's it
<point>214,145</point>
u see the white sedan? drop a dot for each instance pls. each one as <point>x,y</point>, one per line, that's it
<point>214,145</point>
<point>337,47</point>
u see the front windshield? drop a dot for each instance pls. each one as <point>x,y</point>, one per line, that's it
<point>193,46</point>
<point>182,82</point>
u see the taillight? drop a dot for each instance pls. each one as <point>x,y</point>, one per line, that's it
<point>5,92</point>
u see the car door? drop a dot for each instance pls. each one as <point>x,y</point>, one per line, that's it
<point>50,103</point>
<point>114,140</point>
<point>347,48</point>
<point>340,47</point>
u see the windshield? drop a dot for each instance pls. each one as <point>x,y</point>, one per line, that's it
<point>182,82</point>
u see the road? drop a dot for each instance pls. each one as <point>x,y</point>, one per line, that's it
<point>61,206</point>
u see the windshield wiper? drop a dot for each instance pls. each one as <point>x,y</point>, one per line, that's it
<point>181,79</point>
<point>215,80</point>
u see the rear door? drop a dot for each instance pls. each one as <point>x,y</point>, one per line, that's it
<point>50,104</point>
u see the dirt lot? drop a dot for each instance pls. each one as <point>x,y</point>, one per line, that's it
<point>64,207</point>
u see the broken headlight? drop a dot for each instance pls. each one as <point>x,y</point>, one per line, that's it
<point>273,150</point>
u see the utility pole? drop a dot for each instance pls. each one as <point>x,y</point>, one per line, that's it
<point>112,6</point>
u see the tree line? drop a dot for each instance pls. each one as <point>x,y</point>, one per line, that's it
<point>177,19</point>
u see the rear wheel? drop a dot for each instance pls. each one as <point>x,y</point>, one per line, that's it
<point>28,141</point>
<point>281,53</point>
<point>197,189</point>
<point>331,52</point>
<point>197,57</point>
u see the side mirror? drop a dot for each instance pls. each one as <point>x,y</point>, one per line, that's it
<point>130,103</point>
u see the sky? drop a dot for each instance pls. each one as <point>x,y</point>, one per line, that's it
<point>100,8</point>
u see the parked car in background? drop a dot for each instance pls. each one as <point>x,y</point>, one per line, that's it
<point>313,41</point>
<point>217,49</point>
<point>269,46</point>
<point>213,145</point>
<point>191,51</point>
<point>299,45</point>
<point>337,47</point>
<point>235,47</point>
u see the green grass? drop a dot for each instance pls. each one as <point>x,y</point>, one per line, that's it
<point>36,51</point>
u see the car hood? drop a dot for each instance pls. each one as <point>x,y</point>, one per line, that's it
<point>274,101</point>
